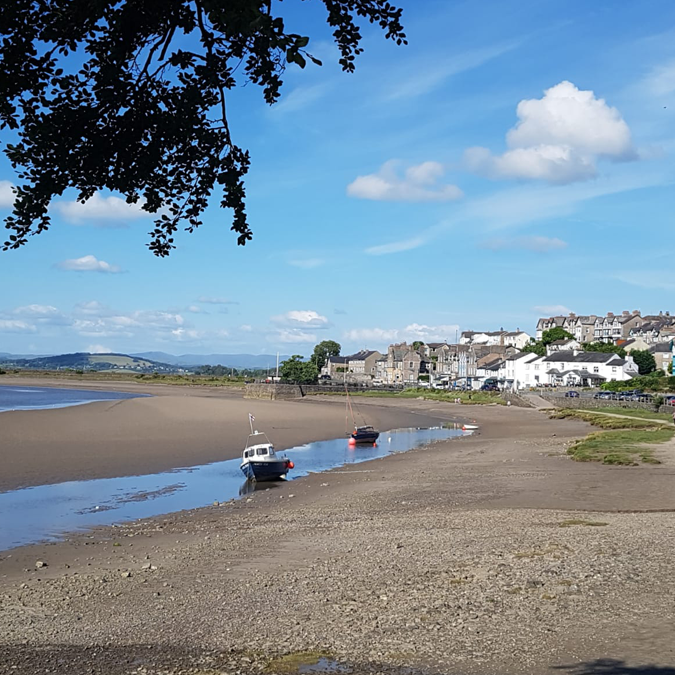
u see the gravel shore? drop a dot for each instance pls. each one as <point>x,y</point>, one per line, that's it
<point>488,554</point>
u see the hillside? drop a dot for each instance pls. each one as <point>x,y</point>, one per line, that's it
<point>86,361</point>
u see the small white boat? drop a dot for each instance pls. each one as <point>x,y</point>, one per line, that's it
<point>469,427</point>
<point>260,462</point>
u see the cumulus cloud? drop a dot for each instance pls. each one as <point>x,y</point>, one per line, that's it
<point>301,319</point>
<point>6,194</point>
<point>16,326</point>
<point>558,139</point>
<point>89,263</point>
<point>36,310</point>
<point>104,211</point>
<point>412,332</point>
<point>419,183</point>
<point>552,310</point>
<point>534,243</point>
<point>99,349</point>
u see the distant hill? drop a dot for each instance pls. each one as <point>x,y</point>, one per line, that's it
<point>229,360</point>
<point>86,361</point>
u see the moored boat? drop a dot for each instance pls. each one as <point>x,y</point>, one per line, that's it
<point>260,462</point>
<point>365,434</point>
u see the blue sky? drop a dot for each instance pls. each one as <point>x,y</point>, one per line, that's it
<point>514,160</point>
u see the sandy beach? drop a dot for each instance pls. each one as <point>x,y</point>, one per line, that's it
<point>489,554</point>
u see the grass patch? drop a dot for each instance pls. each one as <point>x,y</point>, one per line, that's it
<point>627,447</point>
<point>604,421</point>
<point>584,523</point>
<point>465,397</point>
<point>640,413</point>
<point>291,664</point>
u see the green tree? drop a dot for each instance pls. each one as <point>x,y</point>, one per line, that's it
<point>297,371</point>
<point>417,344</point>
<point>130,96</point>
<point>644,360</point>
<point>605,348</point>
<point>553,334</point>
<point>535,348</point>
<point>323,351</point>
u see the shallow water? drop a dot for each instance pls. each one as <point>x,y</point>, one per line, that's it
<point>40,398</point>
<point>47,512</point>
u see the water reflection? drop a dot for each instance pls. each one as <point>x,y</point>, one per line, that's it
<point>46,512</point>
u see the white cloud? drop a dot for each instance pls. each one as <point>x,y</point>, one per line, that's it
<point>88,263</point>
<point>36,311</point>
<point>558,138</point>
<point>216,301</point>
<point>661,81</point>
<point>307,263</point>
<point>420,183</point>
<point>246,328</point>
<point>423,78</point>
<point>15,326</point>
<point>129,325</point>
<point>396,246</point>
<point>410,333</point>
<point>552,310</point>
<point>6,194</point>
<point>293,336</point>
<point>99,349</point>
<point>533,243</point>
<point>301,319</point>
<point>92,307</point>
<point>108,211</point>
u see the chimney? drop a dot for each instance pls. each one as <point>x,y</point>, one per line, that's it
<point>610,314</point>
<point>573,315</point>
<point>626,313</point>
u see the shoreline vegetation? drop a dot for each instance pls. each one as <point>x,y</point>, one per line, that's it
<point>624,441</point>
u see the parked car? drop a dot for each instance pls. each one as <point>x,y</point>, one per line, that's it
<point>325,377</point>
<point>603,395</point>
<point>571,394</point>
<point>489,387</point>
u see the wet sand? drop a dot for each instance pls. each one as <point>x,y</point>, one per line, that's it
<point>179,427</point>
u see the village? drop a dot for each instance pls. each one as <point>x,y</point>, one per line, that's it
<point>515,360</point>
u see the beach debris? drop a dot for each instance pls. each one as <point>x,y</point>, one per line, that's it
<point>125,575</point>
<point>216,503</point>
<point>40,563</point>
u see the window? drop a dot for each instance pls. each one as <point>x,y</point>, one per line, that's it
<point>536,367</point>
<point>596,369</point>
<point>614,369</point>
<point>261,451</point>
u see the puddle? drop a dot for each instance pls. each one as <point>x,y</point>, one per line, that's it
<point>47,512</point>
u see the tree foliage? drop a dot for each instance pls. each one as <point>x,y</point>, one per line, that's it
<point>130,96</point>
<point>417,344</point>
<point>297,371</point>
<point>547,337</point>
<point>323,351</point>
<point>553,334</point>
<point>644,360</point>
<point>605,348</point>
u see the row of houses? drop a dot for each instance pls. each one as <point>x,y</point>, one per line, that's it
<point>571,367</point>
<point>612,328</point>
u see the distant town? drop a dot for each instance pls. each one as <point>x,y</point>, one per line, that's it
<point>570,350</point>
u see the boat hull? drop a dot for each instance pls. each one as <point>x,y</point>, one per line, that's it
<point>265,471</point>
<point>365,437</point>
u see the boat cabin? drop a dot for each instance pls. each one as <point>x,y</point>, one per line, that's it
<point>266,450</point>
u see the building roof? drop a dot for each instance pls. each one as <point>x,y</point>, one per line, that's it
<point>362,355</point>
<point>337,359</point>
<point>661,347</point>
<point>581,357</point>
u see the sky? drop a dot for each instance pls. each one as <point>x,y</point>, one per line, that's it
<point>515,160</point>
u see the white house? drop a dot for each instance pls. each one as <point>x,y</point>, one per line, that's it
<point>515,372</point>
<point>575,368</point>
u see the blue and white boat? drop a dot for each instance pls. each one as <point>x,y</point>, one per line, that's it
<point>260,462</point>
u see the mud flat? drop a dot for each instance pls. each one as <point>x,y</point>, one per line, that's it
<point>491,554</point>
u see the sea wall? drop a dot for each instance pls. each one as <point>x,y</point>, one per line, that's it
<point>273,392</point>
<point>583,403</point>
<point>515,399</point>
